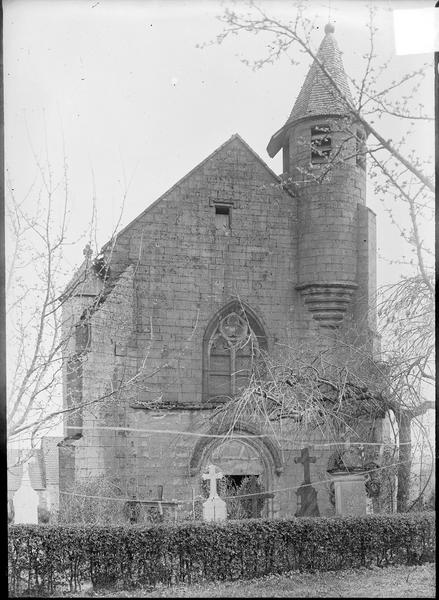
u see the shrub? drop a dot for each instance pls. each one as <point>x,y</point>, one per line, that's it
<point>47,558</point>
<point>82,506</point>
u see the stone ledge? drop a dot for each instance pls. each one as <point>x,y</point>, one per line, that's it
<point>176,406</point>
<point>327,302</point>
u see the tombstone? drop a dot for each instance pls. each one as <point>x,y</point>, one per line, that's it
<point>347,468</point>
<point>131,511</point>
<point>306,495</point>
<point>350,493</point>
<point>250,498</point>
<point>26,500</point>
<point>307,502</point>
<point>160,500</point>
<point>214,508</point>
<point>255,495</point>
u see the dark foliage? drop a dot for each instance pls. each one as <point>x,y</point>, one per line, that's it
<point>44,559</point>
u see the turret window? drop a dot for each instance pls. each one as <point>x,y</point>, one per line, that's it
<point>321,143</point>
<point>361,149</point>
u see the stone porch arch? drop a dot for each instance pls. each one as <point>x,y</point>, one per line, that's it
<point>261,444</point>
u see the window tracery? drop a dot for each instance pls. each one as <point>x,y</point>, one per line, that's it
<point>231,350</point>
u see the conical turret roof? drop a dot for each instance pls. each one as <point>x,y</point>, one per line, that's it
<point>318,95</point>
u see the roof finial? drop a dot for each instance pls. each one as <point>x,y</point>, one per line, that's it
<point>329,28</point>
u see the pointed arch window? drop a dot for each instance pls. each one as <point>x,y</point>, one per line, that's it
<point>232,343</point>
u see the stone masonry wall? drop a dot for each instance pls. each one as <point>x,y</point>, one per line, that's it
<point>328,208</point>
<point>108,379</point>
<point>180,269</point>
<point>187,268</point>
<point>365,310</point>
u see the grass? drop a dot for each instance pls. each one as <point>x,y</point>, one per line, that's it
<point>389,582</point>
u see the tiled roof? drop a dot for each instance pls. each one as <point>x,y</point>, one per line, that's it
<point>49,446</point>
<point>85,282</point>
<point>43,469</point>
<point>15,471</point>
<point>318,96</point>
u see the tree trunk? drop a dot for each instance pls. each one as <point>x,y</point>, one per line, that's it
<point>405,451</point>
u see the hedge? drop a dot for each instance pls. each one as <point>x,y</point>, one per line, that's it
<point>44,559</point>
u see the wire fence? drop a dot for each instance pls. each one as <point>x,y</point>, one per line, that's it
<point>272,491</point>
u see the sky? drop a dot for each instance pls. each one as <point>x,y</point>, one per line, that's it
<point>129,96</point>
<point>121,89</point>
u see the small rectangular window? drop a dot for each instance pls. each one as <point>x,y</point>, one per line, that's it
<point>361,149</point>
<point>321,143</point>
<point>222,216</point>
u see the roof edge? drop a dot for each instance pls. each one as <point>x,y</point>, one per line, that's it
<point>235,136</point>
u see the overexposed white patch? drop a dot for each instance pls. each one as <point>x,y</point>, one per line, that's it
<point>416,30</point>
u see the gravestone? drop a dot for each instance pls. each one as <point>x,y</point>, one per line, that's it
<point>26,500</point>
<point>255,495</point>
<point>350,493</point>
<point>306,494</point>
<point>214,508</point>
<point>250,498</point>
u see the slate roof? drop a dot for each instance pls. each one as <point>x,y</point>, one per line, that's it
<point>85,282</point>
<point>49,446</point>
<point>15,471</point>
<point>318,96</point>
<point>43,470</point>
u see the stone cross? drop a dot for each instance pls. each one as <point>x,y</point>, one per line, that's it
<point>214,508</point>
<point>212,476</point>
<point>305,459</point>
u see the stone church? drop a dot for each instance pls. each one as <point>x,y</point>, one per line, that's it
<point>162,318</point>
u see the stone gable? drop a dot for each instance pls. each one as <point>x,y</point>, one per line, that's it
<point>227,240</point>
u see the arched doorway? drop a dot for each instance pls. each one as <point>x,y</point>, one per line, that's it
<point>249,464</point>
<point>245,483</point>
<point>236,457</point>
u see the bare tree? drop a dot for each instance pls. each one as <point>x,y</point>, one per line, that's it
<point>35,244</point>
<point>45,334</point>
